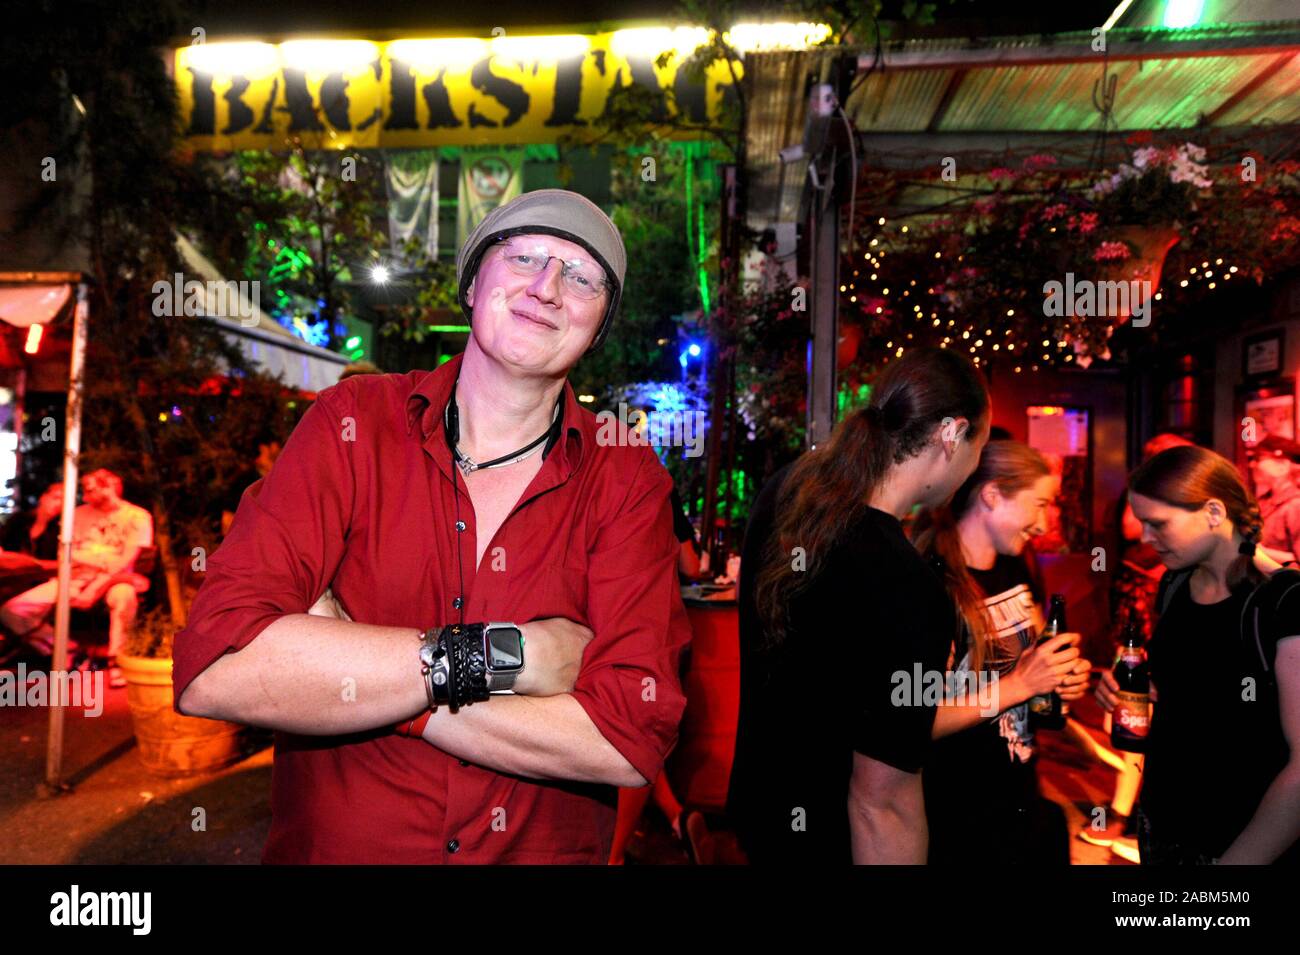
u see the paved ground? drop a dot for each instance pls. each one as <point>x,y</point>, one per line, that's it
<point>115,811</point>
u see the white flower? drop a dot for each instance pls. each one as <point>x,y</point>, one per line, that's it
<point>1145,157</point>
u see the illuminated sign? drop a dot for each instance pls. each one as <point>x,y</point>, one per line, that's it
<point>338,94</point>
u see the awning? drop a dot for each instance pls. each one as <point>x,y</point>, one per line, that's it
<point>266,343</point>
<point>286,356</point>
<point>25,305</point>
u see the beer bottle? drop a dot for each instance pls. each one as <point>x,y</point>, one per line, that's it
<point>1046,708</point>
<point>1131,719</point>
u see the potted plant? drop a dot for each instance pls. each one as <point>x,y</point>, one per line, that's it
<point>170,744</point>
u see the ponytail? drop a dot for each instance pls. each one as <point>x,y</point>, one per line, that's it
<point>828,489</point>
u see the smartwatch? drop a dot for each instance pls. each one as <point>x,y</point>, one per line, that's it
<point>503,651</point>
<point>466,663</point>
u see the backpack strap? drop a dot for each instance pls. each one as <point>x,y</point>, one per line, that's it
<point>1258,619</point>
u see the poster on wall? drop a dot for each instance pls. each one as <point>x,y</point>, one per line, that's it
<point>1262,355</point>
<point>1263,410</point>
<point>488,178</point>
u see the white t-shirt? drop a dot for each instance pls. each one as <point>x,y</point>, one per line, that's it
<point>104,538</point>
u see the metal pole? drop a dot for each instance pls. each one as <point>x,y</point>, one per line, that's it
<point>825,215</point>
<point>62,612</point>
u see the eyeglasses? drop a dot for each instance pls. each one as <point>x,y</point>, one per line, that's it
<point>583,279</point>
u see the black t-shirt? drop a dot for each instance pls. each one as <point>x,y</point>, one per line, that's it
<point>874,609</point>
<point>682,528</point>
<point>1211,754</point>
<point>981,784</point>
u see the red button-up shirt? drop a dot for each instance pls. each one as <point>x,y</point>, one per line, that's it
<point>361,500</point>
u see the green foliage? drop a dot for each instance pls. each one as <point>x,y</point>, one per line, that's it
<point>660,285</point>
<point>140,366</point>
<point>152,634</point>
<point>299,221</point>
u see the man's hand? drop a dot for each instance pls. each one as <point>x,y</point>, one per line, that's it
<point>552,656</point>
<point>328,606</point>
<point>89,593</point>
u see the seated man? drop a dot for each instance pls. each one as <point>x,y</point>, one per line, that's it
<point>425,506</point>
<point>107,534</point>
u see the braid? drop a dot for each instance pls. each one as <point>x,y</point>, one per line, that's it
<point>1250,526</point>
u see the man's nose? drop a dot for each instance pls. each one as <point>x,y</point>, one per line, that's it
<point>546,285</point>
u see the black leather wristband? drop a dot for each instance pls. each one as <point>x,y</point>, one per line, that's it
<point>468,667</point>
<point>435,666</point>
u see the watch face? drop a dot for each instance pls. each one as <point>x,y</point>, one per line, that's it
<point>505,648</point>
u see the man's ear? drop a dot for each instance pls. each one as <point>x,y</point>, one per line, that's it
<point>469,292</point>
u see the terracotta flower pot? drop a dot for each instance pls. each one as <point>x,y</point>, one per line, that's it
<point>171,744</point>
<point>1150,245</point>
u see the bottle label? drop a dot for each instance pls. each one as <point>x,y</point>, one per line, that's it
<point>1130,657</point>
<point>1132,714</point>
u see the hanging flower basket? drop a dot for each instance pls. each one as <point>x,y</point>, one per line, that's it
<point>1149,247</point>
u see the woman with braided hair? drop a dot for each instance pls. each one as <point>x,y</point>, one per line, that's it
<point>1222,776</point>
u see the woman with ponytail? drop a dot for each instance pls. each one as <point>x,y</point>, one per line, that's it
<point>834,603</point>
<point>982,732</point>
<point>1222,776</point>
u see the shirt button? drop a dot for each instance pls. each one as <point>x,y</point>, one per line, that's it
<point>453,845</point>
<point>460,525</point>
<point>464,762</point>
<point>457,602</point>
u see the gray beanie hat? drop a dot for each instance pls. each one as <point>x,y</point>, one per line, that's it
<point>555,212</point>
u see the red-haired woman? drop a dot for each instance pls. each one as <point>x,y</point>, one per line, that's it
<point>1222,776</point>
<point>981,780</point>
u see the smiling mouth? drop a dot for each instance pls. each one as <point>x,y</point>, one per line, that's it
<point>534,320</point>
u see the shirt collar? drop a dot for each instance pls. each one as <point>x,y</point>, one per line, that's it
<point>432,391</point>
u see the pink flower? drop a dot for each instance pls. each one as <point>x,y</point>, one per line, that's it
<point>1001,172</point>
<point>1111,252</point>
<point>1038,161</point>
<point>1055,211</point>
<point>1085,222</point>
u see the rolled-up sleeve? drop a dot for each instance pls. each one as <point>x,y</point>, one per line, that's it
<point>284,547</point>
<point>629,683</point>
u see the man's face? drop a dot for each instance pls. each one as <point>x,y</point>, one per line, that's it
<point>97,490</point>
<point>540,323</point>
<point>965,440</point>
<point>1268,470</point>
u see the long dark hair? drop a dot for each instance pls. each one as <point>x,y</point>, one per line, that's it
<point>829,488</point>
<point>1011,467</point>
<point>1189,476</point>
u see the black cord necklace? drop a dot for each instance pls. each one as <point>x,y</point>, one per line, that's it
<point>467,465</point>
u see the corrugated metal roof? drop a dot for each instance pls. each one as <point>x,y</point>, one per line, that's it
<point>1219,76</point>
<point>1058,97</point>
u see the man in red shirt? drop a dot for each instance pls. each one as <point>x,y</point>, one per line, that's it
<point>474,493</point>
